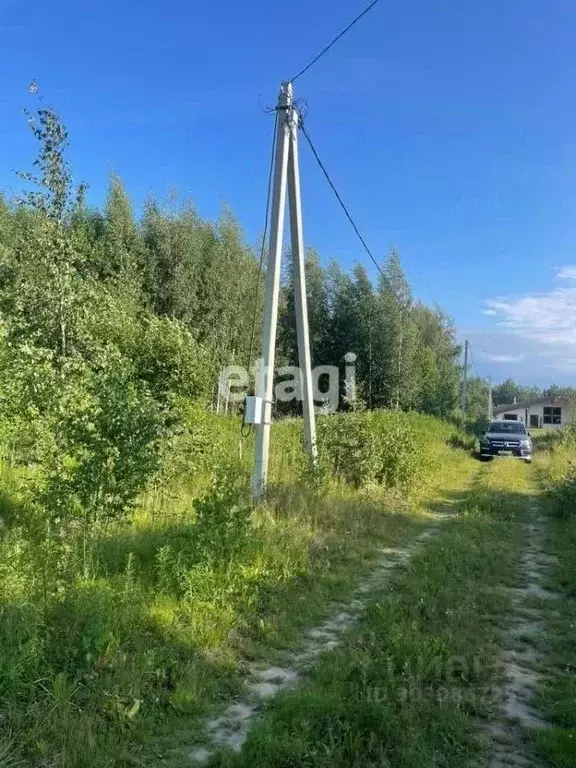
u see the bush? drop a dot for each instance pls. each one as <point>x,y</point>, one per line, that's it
<point>345,442</point>
<point>399,453</point>
<point>223,520</point>
<point>100,445</point>
<point>171,362</point>
<point>381,447</point>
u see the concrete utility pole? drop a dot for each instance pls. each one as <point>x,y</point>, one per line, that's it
<point>286,174</point>
<point>300,301</point>
<point>490,407</point>
<point>465,381</point>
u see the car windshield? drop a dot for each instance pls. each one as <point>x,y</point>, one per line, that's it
<point>508,426</point>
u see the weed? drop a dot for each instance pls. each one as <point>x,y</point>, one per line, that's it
<point>222,520</point>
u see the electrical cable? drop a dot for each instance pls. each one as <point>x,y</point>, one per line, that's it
<point>260,264</point>
<point>473,361</point>
<point>335,40</point>
<point>342,204</point>
<point>471,358</point>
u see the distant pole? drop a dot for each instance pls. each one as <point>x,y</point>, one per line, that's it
<point>490,407</point>
<point>300,301</point>
<point>465,381</point>
<point>265,382</point>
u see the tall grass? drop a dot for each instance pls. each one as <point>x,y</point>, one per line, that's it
<point>556,693</point>
<point>556,453</point>
<point>152,636</point>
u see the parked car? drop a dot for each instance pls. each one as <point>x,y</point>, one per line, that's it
<point>506,438</point>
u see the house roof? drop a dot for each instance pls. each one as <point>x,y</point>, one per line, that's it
<point>555,401</point>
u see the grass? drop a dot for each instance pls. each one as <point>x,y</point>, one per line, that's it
<point>410,684</point>
<point>123,662</point>
<point>556,695</point>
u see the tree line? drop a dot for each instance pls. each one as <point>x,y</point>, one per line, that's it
<point>112,324</point>
<point>73,276</point>
<point>510,392</point>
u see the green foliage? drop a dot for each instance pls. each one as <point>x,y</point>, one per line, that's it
<point>111,440</point>
<point>563,493</point>
<point>171,362</point>
<point>54,182</point>
<point>557,449</point>
<point>400,453</point>
<point>382,447</point>
<point>510,392</point>
<point>346,442</point>
<point>129,555</point>
<point>222,520</point>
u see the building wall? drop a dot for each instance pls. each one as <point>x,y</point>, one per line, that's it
<point>520,414</point>
<point>538,410</point>
<point>523,414</point>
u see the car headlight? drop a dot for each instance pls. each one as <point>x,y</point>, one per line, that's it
<point>525,444</point>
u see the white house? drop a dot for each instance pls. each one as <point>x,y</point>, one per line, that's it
<point>546,413</point>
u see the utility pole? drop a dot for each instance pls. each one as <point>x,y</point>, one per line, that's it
<point>465,381</point>
<point>286,175</point>
<point>490,408</point>
<point>299,277</point>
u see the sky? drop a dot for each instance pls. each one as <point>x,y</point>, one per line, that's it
<point>449,128</point>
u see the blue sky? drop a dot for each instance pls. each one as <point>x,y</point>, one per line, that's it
<point>449,127</point>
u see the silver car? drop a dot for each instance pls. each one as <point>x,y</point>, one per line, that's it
<point>506,438</point>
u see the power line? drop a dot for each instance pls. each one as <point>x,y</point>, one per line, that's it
<point>473,361</point>
<point>262,251</point>
<point>327,48</point>
<point>342,205</point>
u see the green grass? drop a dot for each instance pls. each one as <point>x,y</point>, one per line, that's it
<point>556,695</point>
<point>409,686</point>
<point>121,663</point>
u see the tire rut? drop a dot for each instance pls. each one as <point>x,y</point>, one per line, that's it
<point>230,730</point>
<point>519,659</point>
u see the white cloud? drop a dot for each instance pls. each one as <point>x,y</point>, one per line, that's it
<point>568,365</point>
<point>567,273</point>
<point>503,358</point>
<point>549,318</point>
<point>531,336</point>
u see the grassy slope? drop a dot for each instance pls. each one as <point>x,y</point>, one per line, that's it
<point>408,687</point>
<point>136,654</point>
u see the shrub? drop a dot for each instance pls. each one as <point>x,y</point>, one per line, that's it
<point>170,361</point>
<point>100,446</point>
<point>362,447</point>
<point>346,444</point>
<point>223,520</point>
<point>399,453</point>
